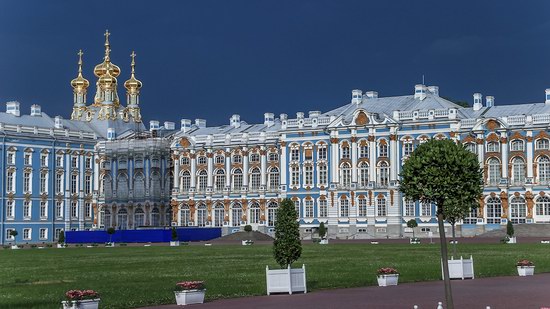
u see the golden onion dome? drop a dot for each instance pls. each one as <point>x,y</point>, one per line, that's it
<point>133,83</point>
<point>107,80</point>
<point>106,66</point>
<point>80,82</point>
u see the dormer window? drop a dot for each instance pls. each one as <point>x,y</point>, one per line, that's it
<point>493,147</point>
<point>516,145</point>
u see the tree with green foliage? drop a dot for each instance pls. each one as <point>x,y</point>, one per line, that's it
<point>111,231</point>
<point>412,224</point>
<point>287,247</point>
<point>510,229</point>
<point>455,213</point>
<point>443,173</point>
<point>174,234</point>
<point>248,228</point>
<point>322,230</point>
<point>14,233</point>
<point>61,239</point>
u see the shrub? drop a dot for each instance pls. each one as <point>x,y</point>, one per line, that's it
<point>510,229</point>
<point>111,231</point>
<point>248,228</point>
<point>61,239</point>
<point>287,247</point>
<point>412,224</point>
<point>322,230</point>
<point>174,234</point>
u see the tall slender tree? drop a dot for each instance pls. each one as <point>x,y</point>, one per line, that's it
<point>287,247</point>
<point>445,174</point>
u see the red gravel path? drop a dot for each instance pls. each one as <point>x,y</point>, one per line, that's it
<point>498,292</point>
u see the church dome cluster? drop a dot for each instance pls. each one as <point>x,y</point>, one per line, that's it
<point>106,104</point>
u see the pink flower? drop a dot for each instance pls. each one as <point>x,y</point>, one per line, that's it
<point>189,285</point>
<point>81,294</point>
<point>386,271</point>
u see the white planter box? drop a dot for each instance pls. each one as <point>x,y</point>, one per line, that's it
<point>247,242</point>
<point>386,280</point>
<point>323,242</point>
<point>287,280</point>
<point>190,297</point>
<point>81,304</point>
<point>512,240</point>
<point>460,269</point>
<point>526,270</point>
<point>61,246</point>
<point>14,247</point>
<point>174,243</point>
<point>414,241</point>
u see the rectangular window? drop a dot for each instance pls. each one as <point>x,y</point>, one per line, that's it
<point>11,158</point>
<point>59,183</point>
<point>59,209</point>
<point>295,154</point>
<point>308,175</point>
<point>363,151</point>
<point>44,160</point>
<point>88,162</point>
<point>43,178</point>
<point>323,176</point>
<point>27,210</point>
<point>322,153</point>
<point>74,187</point>
<point>409,208</point>
<point>381,207</point>
<point>308,204</point>
<point>408,148</point>
<point>10,181</point>
<point>27,159</point>
<point>383,150</point>
<point>74,162</point>
<point>323,208</point>
<point>26,182</point>
<point>297,207</point>
<point>10,209</point>
<point>362,205</point>
<point>344,208</point>
<point>27,234</point>
<point>57,231</point>
<point>43,210</point>
<point>8,234</point>
<point>426,210</point>
<point>89,210</point>
<point>43,234</point>
<point>345,153</point>
<point>59,161</point>
<point>294,176</point>
<point>74,210</point>
<point>88,184</point>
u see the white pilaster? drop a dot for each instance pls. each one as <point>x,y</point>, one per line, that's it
<point>263,164</point>
<point>393,157</point>
<point>193,169</point>
<point>504,151</point>
<point>354,156</point>
<point>176,172</point>
<point>210,162</point>
<point>228,167</point>
<point>245,167</point>
<point>284,164</point>
<point>530,155</point>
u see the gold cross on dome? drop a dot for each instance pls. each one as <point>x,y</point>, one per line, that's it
<point>80,53</point>
<point>133,55</point>
<point>107,34</point>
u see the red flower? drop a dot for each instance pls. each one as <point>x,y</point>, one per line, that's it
<point>525,262</point>
<point>387,271</point>
<point>81,294</point>
<point>189,285</point>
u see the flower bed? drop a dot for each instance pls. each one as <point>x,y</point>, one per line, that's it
<point>386,271</point>
<point>525,262</point>
<point>81,299</point>
<point>189,285</point>
<point>189,292</point>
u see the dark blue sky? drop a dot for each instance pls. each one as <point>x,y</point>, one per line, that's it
<point>210,59</point>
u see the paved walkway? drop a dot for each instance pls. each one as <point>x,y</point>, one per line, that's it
<point>498,292</point>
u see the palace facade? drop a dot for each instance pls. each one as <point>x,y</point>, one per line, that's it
<point>103,168</point>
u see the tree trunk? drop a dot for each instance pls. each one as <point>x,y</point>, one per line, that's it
<point>454,240</point>
<point>444,258</point>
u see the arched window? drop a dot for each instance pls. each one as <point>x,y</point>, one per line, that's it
<point>219,180</point>
<point>185,215</point>
<point>139,217</point>
<point>255,177</point>
<point>383,149</point>
<point>471,217</point>
<point>122,186</point>
<point>494,171</point>
<point>518,210</point>
<point>381,207</point>
<point>494,210</point>
<point>363,151</point>
<point>254,213</point>
<point>237,179</point>
<point>155,184</point>
<point>155,217</point>
<point>236,214</point>
<point>202,215</point>
<point>122,219</point>
<point>219,214</point>
<point>363,174</point>
<point>543,206</point>
<point>518,171</point>
<point>383,174</point>
<point>345,152</point>
<point>185,182</point>
<point>202,181</point>
<point>543,169</point>
<point>271,213</point>
<point>345,174</point>
<point>273,180</point>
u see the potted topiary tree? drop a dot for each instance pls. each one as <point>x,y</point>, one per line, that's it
<point>323,234</point>
<point>412,224</point>
<point>175,240</point>
<point>510,232</point>
<point>14,233</point>
<point>61,240</point>
<point>287,248</point>
<point>111,231</point>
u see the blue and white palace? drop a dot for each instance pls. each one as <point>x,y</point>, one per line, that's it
<point>103,168</point>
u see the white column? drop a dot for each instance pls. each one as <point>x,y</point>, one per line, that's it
<point>284,163</point>
<point>95,177</point>
<point>228,167</point>
<point>393,157</point>
<point>176,171</point>
<point>245,167</point>
<point>353,157</point>
<point>530,155</point>
<point>210,158</point>
<point>480,151</point>
<point>263,163</point>
<point>334,158</point>
<point>504,152</point>
<point>372,159</point>
<point>193,169</point>
<point>397,162</point>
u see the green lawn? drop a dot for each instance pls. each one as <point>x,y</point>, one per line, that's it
<point>137,276</point>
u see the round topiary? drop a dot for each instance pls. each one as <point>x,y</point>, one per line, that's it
<point>248,228</point>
